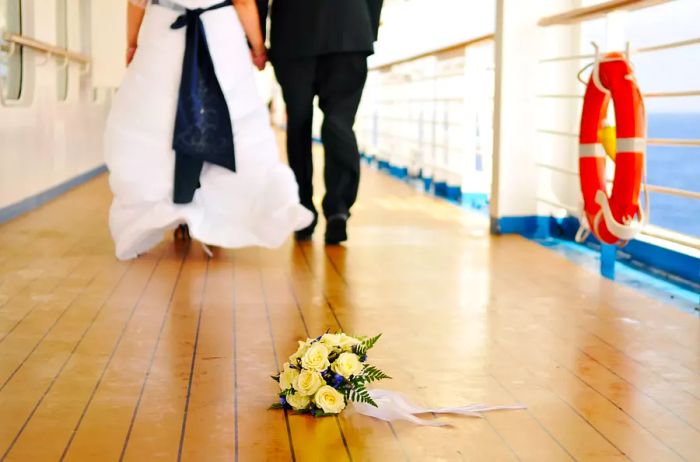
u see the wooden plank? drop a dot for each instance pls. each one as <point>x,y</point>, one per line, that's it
<point>261,434</point>
<point>209,432</point>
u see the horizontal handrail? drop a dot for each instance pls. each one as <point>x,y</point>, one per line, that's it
<point>671,236</point>
<point>677,142</point>
<point>652,188</point>
<point>427,121</point>
<point>649,49</point>
<point>596,11</point>
<point>407,78</point>
<point>557,133</point>
<point>658,94</point>
<point>673,142</point>
<point>421,100</point>
<point>456,46</point>
<point>19,40</point>
<point>672,94</point>
<point>673,191</point>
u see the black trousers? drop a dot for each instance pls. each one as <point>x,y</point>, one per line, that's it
<point>338,80</point>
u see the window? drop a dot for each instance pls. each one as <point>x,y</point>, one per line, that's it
<point>11,66</point>
<point>62,42</point>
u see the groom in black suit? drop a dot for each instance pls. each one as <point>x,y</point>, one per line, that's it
<point>320,48</point>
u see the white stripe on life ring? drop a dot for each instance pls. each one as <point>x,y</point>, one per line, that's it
<point>591,150</point>
<point>632,145</point>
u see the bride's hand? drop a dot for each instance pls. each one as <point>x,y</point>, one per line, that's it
<point>259,59</point>
<point>130,52</point>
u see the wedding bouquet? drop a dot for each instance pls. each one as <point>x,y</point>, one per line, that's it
<point>326,373</point>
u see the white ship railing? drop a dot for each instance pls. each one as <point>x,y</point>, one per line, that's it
<point>413,115</point>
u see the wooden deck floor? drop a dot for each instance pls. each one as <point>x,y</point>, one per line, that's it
<point>169,356</point>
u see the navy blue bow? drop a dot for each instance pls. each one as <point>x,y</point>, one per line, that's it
<point>203,131</point>
<point>189,16</point>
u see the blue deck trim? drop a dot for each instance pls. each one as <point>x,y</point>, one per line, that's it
<point>533,227</point>
<point>440,189</point>
<point>14,210</point>
<point>676,267</point>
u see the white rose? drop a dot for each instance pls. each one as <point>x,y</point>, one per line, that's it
<point>308,382</point>
<point>342,341</point>
<point>303,346</point>
<point>329,400</point>
<point>288,377</point>
<point>316,358</point>
<point>298,402</point>
<point>347,364</point>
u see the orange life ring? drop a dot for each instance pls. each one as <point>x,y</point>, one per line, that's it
<point>611,219</point>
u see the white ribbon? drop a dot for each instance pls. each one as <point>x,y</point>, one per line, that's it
<point>393,406</point>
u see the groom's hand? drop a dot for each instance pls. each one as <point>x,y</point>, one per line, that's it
<point>259,59</point>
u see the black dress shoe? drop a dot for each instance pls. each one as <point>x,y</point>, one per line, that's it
<point>306,233</point>
<point>336,229</point>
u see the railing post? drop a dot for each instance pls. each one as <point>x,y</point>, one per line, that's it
<point>608,255</point>
<point>517,146</point>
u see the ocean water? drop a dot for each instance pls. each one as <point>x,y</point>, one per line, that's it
<point>675,167</point>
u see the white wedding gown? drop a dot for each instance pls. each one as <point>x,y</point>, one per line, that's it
<point>256,205</point>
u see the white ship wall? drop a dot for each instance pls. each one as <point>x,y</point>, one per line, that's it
<point>46,142</point>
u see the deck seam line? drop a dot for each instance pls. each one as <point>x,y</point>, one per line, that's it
<point>234,309</point>
<point>193,363</point>
<point>274,350</point>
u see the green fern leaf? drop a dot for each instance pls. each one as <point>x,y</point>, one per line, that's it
<point>365,345</point>
<point>373,374</point>
<point>359,394</point>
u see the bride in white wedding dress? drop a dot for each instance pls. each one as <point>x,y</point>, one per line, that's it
<point>188,139</point>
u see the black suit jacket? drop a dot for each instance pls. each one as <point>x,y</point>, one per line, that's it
<point>317,27</point>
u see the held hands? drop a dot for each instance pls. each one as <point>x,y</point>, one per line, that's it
<point>259,58</point>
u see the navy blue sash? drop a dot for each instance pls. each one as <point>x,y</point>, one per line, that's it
<point>203,131</point>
